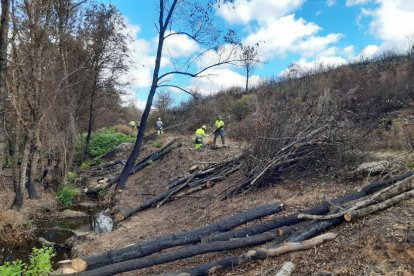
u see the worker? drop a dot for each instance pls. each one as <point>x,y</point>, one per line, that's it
<point>133,124</point>
<point>199,134</point>
<point>160,125</point>
<point>219,125</point>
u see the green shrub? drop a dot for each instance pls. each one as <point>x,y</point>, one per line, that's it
<point>102,141</point>
<point>157,144</point>
<point>66,193</point>
<point>244,106</point>
<point>71,177</point>
<point>39,264</point>
<point>85,165</point>
<point>12,269</point>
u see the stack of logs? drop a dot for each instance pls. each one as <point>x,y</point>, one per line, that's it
<point>288,233</point>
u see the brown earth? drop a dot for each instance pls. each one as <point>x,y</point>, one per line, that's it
<point>381,244</point>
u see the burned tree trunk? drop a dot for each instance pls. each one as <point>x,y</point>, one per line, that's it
<point>164,242</point>
<point>258,253</point>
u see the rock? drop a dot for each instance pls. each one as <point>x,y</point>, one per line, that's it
<point>88,204</point>
<point>71,214</point>
<point>45,242</point>
<point>103,223</point>
<point>373,168</point>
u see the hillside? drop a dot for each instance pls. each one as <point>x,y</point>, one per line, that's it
<point>362,112</point>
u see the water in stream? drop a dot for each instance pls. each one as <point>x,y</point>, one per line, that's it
<point>58,231</point>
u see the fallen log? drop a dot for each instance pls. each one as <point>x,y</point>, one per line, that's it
<point>259,253</point>
<point>384,194</point>
<point>379,206</point>
<point>195,179</point>
<point>292,219</point>
<point>141,165</point>
<point>183,253</point>
<point>164,242</point>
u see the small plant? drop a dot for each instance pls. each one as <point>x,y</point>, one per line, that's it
<point>71,177</point>
<point>157,144</point>
<point>66,193</point>
<point>40,261</point>
<point>14,268</point>
<point>39,264</point>
<point>85,165</point>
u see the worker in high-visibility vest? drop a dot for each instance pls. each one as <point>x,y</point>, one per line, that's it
<point>199,134</point>
<point>219,124</point>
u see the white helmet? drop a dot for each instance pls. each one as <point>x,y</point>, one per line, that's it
<point>204,127</point>
<point>159,119</point>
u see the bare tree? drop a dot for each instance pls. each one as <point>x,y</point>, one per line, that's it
<point>163,102</point>
<point>249,60</point>
<point>108,53</point>
<point>194,20</point>
<point>4,30</point>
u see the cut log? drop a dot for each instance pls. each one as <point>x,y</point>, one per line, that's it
<point>384,194</point>
<point>148,247</point>
<point>183,253</point>
<point>141,165</point>
<point>259,253</point>
<point>292,219</point>
<point>195,179</point>
<point>379,206</point>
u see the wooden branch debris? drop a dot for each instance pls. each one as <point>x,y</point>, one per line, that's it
<point>258,253</point>
<point>379,206</point>
<point>142,249</point>
<point>383,195</point>
<point>194,181</point>
<point>183,253</point>
<point>139,255</point>
<point>146,161</point>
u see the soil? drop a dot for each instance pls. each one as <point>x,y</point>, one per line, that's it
<point>381,244</point>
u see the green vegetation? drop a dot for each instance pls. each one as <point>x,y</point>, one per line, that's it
<point>102,141</point>
<point>85,165</point>
<point>66,193</point>
<point>39,264</point>
<point>71,177</point>
<point>157,144</point>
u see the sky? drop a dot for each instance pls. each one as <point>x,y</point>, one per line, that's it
<point>303,33</point>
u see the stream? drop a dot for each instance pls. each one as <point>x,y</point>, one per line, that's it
<point>58,232</point>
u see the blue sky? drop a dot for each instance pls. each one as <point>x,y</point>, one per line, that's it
<point>307,33</point>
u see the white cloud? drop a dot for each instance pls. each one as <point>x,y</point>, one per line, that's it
<point>391,21</point>
<point>368,52</point>
<point>139,74</point>
<point>349,52</point>
<point>245,11</point>
<point>350,3</point>
<point>177,46</point>
<point>331,3</point>
<point>280,36</point>
<point>302,66</point>
<point>129,97</point>
<point>219,79</point>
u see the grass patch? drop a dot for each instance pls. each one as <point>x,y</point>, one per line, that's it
<point>102,141</point>
<point>66,193</point>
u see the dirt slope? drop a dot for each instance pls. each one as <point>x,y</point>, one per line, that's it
<point>382,244</point>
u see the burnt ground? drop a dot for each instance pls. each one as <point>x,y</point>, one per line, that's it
<point>380,244</point>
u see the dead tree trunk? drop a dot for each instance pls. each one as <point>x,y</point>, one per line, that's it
<point>164,242</point>
<point>292,219</point>
<point>29,184</point>
<point>259,253</point>
<point>183,253</point>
